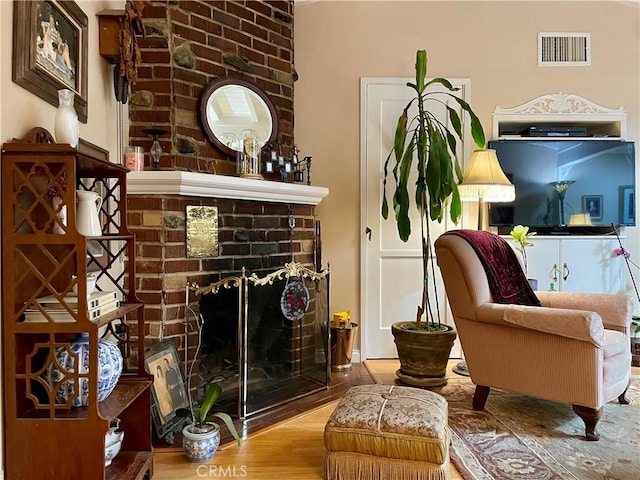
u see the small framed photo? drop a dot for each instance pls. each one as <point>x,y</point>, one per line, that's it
<point>592,204</point>
<point>168,392</point>
<point>627,205</point>
<point>50,50</point>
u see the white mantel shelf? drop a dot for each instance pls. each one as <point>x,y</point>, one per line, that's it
<point>193,184</point>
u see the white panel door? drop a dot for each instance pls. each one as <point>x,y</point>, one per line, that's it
<point>391,270</point>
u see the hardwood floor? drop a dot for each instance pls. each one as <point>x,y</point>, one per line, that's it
<point>292,450</point>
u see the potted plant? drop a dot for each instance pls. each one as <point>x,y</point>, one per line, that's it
<point>201,436</point>
<point>425,144</point>
<point>521,235</point>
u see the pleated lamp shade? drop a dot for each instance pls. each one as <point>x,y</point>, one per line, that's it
<point>484,179</point>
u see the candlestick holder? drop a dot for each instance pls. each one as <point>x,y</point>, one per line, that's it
<point>156,149</point>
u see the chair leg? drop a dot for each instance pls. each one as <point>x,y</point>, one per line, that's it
<point>590,417</point>
<point>480,397</point>
<point>622,398</point>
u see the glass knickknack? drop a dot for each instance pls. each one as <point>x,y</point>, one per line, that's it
<point>248,154</point>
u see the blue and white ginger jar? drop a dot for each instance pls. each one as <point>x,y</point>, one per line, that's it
<point>200,447</point>
<point>109,365</point>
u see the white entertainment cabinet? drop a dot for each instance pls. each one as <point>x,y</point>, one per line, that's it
<point>577,263</point>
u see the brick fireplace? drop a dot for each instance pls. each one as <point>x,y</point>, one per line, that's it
<point>253,232</point>
<point>189,43</point>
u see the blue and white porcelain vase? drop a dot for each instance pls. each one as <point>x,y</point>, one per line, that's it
<point>109,366</point>
<point>200,447</point>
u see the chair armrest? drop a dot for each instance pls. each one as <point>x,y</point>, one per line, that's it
<point>615,310</point>
<point>577,324</point>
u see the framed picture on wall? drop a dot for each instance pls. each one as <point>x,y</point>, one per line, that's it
<point>592,204</point>
<point>50,50</point>
<point>627,205</point>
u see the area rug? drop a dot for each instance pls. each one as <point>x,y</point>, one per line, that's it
<point>518,437</point>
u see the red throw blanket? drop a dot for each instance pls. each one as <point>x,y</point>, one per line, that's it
<point>507,281</point>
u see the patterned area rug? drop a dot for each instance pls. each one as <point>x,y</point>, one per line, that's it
<point>524,438</point>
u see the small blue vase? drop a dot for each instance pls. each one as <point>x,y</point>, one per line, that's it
<point>200,447</point>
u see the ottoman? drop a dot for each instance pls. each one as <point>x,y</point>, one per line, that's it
<point>387,432</point>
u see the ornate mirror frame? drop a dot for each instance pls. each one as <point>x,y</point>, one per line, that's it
<point>213,133</point>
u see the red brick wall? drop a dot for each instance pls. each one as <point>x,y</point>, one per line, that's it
<point>187,45</point>
<point>253,235</point>
<point>252,39</point>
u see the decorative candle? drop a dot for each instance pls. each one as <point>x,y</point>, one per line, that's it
<point>134,158</point>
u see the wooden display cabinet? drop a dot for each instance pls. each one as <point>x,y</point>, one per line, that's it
<point>42,254</point>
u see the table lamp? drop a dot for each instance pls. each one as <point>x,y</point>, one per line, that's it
<point>483,181</point>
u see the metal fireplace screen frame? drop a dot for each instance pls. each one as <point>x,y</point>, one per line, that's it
<point>283,345</point>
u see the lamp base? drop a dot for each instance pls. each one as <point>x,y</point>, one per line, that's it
<point>461,369</point>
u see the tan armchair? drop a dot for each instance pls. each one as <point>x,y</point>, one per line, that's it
<point>574,349</point>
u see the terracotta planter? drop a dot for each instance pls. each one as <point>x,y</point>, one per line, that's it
<point>423,354</point>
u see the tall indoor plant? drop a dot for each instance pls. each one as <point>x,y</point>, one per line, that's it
<point>425,144</point>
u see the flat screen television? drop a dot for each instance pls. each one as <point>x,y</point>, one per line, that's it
<point>557,181</point>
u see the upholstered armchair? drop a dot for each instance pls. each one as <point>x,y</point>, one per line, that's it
<point>574,348</point>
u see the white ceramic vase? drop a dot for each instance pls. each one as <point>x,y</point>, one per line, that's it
<point>67,129</point>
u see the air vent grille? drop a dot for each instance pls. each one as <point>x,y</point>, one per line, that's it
<point>564,49</point>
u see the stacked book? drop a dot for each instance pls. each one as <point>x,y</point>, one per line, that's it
<point>98,303</point>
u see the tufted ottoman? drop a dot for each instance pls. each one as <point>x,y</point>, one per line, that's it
<point>387,432</point>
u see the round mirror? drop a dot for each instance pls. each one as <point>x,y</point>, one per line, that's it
<point>232,110</point>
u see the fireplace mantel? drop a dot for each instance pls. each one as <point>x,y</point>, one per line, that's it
<point>176,182</point>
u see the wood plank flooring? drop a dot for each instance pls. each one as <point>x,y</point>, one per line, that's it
<point>286,442</point>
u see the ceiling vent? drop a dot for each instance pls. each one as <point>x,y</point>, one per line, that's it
<point>564,49</point>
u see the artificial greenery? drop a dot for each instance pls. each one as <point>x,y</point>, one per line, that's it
<point>425,144</point>
<point>521,234</point>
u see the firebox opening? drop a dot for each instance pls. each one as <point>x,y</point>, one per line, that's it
<point>269,348</point>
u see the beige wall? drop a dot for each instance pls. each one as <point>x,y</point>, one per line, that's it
<point>20,110</point>
<point>492,43</point>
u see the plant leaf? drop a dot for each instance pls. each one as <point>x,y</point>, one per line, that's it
<point>477,132</point>
<point>229,424</point>
<point>444,82</point>
<point>210,397</point>
<point>401,197</point>
<point>455,121</point>
<point>455,210</point>
<point>401,133</point>
<point>421,69</point>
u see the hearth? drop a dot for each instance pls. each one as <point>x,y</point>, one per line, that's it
<point>265,337</point>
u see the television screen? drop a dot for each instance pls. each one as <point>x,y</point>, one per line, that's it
<point>567,186</point>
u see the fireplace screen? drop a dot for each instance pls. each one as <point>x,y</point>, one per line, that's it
<point>265,339</point>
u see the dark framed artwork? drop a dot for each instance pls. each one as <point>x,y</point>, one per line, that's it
<point>627,205</point>
<point>50,50</point>
<point>168,391</point>
<point>592,204</point>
